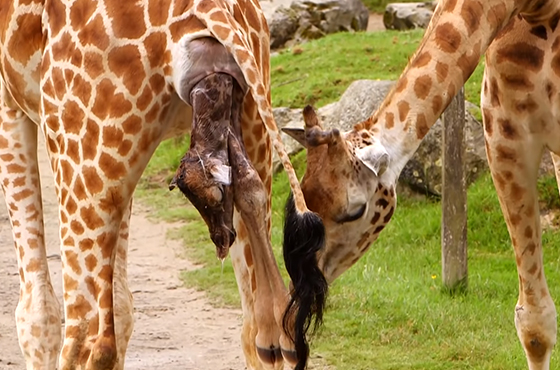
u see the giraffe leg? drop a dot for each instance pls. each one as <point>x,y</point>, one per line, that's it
<point>269,293</point>
<point>242,262</point>
<point>246,272</point>
<point>243,265</point>
<point>514,165</point>
<point>38,311</point>
<point>124,307</point>
<point>95,197</point>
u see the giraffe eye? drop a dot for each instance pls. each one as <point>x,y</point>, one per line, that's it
<point>349,217</point>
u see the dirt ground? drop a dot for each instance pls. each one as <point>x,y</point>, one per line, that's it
<point>375,22</point>
<point>175,327</point>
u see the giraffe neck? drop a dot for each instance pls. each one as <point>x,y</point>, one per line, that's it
<point>459,34</point>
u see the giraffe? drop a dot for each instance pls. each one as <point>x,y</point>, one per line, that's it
<point>105,82</point>
<point>351,177</point>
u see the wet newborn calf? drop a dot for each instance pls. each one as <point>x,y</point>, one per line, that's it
<point>204,175</point>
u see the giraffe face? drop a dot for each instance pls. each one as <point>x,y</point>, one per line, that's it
<point>344,185</point>
<point>206,181</point>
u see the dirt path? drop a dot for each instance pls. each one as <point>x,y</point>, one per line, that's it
<point>375,22</point>
<point>175,328</point>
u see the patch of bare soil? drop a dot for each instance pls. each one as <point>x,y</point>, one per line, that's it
<point>375,22</point>
<point>175,327</point>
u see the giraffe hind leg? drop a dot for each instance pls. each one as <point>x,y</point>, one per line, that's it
<point>515,177</point>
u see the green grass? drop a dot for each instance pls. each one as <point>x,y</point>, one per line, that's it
<point>389,310</point>
<point>318,72</point>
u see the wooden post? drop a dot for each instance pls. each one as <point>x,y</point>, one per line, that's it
<point>454,197</point>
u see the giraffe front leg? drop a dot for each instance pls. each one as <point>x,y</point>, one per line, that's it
<point>95,199</point>
<point>514,165</point>
<point>38,312</point>
<point>124,304</point>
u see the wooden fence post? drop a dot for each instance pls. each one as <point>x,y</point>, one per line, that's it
<point>454,197</point>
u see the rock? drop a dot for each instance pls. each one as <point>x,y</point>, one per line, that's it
<point>294,21</point>
<point>357,104</point>
<point>405,16</point>
<point>422,174</point>
<point>283,24</point>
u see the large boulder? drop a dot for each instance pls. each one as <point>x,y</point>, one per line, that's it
<point>294,21</point>
<point>405,16</point>
<point>422,174</point>
<point>359,102</point>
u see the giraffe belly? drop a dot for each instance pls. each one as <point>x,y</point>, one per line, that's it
<point>21,54</point>
<point>25,93</point>
<point>200,58</point>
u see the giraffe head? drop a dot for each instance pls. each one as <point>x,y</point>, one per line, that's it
<point>205,181</point>
<point>348,185</point>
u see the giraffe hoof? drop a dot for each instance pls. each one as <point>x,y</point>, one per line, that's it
<point>270,355</point>
<point>290,356</point>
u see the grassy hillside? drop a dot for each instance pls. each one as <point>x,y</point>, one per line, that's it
<point>319,72</point>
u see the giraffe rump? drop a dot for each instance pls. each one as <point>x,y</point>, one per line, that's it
<point>304,236</point>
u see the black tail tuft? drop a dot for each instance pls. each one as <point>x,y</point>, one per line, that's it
<point>304,236</point>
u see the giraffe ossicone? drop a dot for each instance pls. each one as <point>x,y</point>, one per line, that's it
<point>106,82</point>
<point>521,110</point>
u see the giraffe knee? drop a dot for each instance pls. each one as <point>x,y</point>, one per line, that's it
<point>39,329</point>
<point>536,329</point>
<point>253,197</point>
<point>104,353</point>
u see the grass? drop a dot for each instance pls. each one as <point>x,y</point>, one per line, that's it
<point>319,72</point>
<point>388,311</point>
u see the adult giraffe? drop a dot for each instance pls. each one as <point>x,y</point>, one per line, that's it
<point>351,177</point>
<point>106,81</point>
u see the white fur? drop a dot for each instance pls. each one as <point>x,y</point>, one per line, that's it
<point>182,61</point>
<point>375,157</point>
<point>221,174</point>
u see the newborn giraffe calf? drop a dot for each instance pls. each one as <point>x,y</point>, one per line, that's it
<point>205,175</point>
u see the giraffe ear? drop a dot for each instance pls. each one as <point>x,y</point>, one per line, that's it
<point>221,174</point>
<point>374,157</point>
<point>297,134</point>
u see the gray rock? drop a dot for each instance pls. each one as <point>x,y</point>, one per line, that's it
<point>423,172</point>
<point>405,16</point>
<point>357,104</point>
<point>295,21</point>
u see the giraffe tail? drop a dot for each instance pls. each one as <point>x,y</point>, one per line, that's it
<point>304,232</point>
<point>304,236</point>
